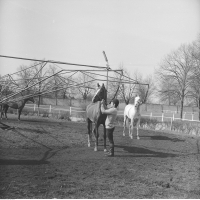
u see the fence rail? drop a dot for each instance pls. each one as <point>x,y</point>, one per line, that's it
<point>165,115</point>
<point>50,108</point>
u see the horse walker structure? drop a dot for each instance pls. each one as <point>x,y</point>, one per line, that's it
<point>21,93</point>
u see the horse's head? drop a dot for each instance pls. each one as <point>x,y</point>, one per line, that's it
<point>31,99</point>
<point>102,94</point>
<point>138,101</point>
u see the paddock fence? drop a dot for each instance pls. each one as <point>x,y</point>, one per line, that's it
<point>78,112</point>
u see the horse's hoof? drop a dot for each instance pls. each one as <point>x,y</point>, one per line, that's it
<point>105,150</point>
<point>88,145</point>
<point>138,138</point>
<point>131,137</point>
<point>123,134</point>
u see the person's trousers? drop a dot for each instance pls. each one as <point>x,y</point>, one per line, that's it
<point>109,133</point>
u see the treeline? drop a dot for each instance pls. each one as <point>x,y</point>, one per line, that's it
<point>178,76</point>
<point>175,82</point>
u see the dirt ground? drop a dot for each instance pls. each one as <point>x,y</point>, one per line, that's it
<point>47,158</point>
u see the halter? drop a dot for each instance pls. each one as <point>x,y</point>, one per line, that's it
<point>139,102</point>
<point>98,95</point>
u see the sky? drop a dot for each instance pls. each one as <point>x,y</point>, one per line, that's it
<point>137,34</point>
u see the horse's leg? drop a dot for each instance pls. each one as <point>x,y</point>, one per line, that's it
<point>89,132</point>
<point>19,113</point>
<point>104,137</point>
<point>96,136</point>
<point>125,118</point>
<point>138,124</point>
<point>131,128</point>
<point>1,112</point>
<point>5,111</point>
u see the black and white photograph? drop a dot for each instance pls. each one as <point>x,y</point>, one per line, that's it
<point>100,99</point>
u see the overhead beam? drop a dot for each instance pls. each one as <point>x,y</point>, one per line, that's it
<point>52,61</point>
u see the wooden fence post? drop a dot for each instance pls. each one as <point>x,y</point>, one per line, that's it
<point>50,109</point>
<point>171,124</point>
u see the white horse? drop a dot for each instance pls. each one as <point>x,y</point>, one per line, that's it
<point>132,112</point>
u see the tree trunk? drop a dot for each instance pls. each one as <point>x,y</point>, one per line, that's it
<point>199,108</point>
<point>56,98</point>
<point>39,99</point>
<point>182,101</point>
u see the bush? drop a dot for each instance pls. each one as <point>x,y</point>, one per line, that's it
<point>33,113</point>
<point>190,128</point>
<point>65,115</point>
<point>25,112</point>
<point>82,115</point>
<point>45,114</point>
<point>144,122</point>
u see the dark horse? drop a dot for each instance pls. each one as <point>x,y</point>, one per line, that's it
<point>95,116</point>
<point>16,105</point>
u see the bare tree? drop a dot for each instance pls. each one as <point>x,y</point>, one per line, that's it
<point>6,88</point>
<point>54,82</point>
<point>67,84</point>
<point>87,84</point>
<point>177,67</point>
<point>147,92</point>
<point>131,84</point>
<point>195,80</point>
<point>25,74</point>
<point>115,82</point>
<point>166,91</point>
<point>40,80</point>
<point>127,88</point>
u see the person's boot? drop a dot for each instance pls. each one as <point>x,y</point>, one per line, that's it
<point>110,153</point>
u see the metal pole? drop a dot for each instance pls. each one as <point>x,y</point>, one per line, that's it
<point>1,101</point>
<point>52,61</point>
<point>107,81</point>
<point>106,59</point>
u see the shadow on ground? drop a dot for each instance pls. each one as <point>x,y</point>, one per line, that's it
<point>22,162</point>
<point>143,152</point>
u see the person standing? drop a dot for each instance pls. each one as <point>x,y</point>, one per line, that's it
<point>110,122</point>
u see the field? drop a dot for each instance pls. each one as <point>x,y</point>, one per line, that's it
<point>49,158</point>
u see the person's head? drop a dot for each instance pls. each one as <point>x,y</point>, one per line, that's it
<point>115,103</point>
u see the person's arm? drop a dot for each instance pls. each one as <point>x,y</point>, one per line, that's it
<point>103,106</point>
<point>109,111</point>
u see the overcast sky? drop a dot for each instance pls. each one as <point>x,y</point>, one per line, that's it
<point>137,33</point>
